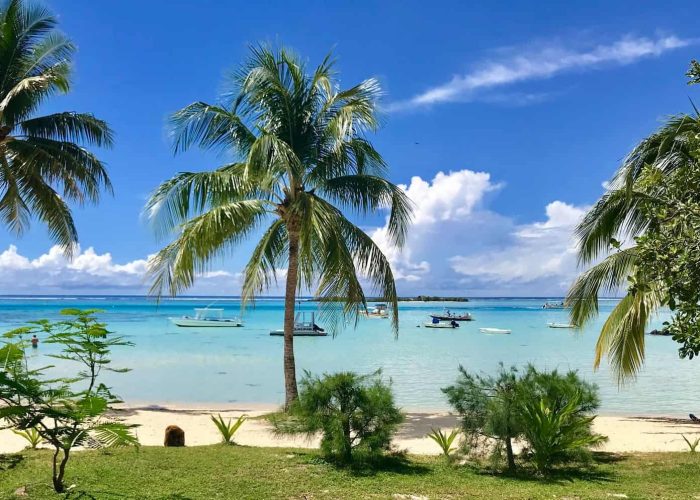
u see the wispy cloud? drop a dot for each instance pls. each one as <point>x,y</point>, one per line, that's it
<point>538,64</point>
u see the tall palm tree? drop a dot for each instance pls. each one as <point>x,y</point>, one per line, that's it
<point>617,217</point>
<point>42,164</point>
<point>300,157</point>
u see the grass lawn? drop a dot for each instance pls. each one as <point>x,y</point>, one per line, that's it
<point>243,472</point>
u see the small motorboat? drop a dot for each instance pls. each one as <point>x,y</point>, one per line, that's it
<point>207,317</point>
<point>304,326</point>
<point>377,311</point>
<point>436,323</point>
<point>561,325</point>
<point>553,305</point>
<point>450,316</point>
<point>493,330</point>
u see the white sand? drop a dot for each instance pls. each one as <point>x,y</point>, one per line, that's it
<point>626,434</point>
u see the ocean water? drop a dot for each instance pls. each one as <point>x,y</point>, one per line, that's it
<point>238,365</point>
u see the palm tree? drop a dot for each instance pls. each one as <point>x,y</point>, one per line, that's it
<point>300,156</point>
<point>41,156</point>
<point>618,217</point>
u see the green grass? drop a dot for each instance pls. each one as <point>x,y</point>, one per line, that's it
<point>242,472</point>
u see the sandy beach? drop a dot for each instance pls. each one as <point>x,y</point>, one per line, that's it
<point>626,434</point>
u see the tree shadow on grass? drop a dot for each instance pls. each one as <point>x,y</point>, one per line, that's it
<point>395,463</point>
<point>8,462</point>
<point>588,472</point>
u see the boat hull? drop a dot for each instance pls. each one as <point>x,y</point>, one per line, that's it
<point>205,323</point>
<point>494,330</point>
<point>300,333</point>
<point>439,325</point>
<point>560,325</point>
<point>466,317</point>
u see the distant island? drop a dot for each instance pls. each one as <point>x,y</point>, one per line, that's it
<point>418,298</point>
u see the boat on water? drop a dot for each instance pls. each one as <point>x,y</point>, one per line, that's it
<point>377,311</point>
<point>304,326</point>
<point>561,325</point>
<point>447,315</point>
<point>207,317</point>
<point>553,305</point>
<point>436,323</point>
<point>494,330</point>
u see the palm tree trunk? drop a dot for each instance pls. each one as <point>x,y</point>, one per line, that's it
<point>290,374</point>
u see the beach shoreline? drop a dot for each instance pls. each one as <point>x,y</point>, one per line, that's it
<point>626,434</point>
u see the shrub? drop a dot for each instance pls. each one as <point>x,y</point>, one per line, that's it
<point>66,411</point>
<point>227,428</point>
<point>444,440</point>
<point>551,412</point>
<point>556,434</point>
<point>692,445</point>
<point>487,407</point>
<point>355,414</point>
<point>31,435</point>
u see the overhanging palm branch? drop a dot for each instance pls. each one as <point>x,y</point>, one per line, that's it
<point>618,217</point>
<point>42,159</point>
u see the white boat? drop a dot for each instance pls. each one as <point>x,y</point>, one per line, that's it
<point>377,311</point>
<point>560,325</point>
<point>207,317</point>
<point>493,330</point>
<point>304,326</point>
<point>441,324</point>
<point>550,304</point>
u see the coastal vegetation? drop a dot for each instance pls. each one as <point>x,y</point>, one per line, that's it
<point>251,473</point>
<point>642,236</point>
<point>64,411</point>
<point>44,165</point>
<point>550,413</point>
<point>301,158</point>
<point>355,414</point>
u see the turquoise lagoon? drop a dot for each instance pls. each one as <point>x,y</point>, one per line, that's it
<point>244,365</point>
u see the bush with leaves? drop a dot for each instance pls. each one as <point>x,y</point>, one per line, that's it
<point>355,414</point>
<point>444,440</point>
<point>487,406</point>
<point>549,411</point>
<point>66,411</point>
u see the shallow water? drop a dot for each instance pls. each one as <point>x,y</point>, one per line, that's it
<point>171,364</point>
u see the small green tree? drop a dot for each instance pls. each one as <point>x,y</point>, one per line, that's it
<point>487,407</point>
<point>65,411</point>
<point>355,414</point>
<point>227,428</point>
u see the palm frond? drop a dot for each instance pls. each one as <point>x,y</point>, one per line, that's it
<point>622,335</point>
<point>607,276</point>
<point>70,127</point>
<point>204,237</point>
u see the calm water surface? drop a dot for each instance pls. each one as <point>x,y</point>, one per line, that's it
<point>171,364</point>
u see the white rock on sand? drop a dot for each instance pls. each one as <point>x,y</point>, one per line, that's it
<point>626,434</point>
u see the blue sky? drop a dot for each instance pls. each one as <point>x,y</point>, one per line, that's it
<point>525,107</point>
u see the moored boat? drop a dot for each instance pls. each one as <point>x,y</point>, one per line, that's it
<point>377,311</point>
<point>553,305</point>
<point>207,317</point>
<point>450,316</point>
<point>494,330</point>
<point>304,326</point>
<point>436,323</point>
<point>561,325</point>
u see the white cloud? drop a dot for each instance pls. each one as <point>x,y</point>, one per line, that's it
<point>541,252</point>
<point>90,272</point>
<point>457,245</point>
<point>541,63</point>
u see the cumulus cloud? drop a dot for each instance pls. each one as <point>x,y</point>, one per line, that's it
<point>541,63</point>
<point>457,245</point>
<point>541,254</point>
<point>448,200</point>
<point>90,272</point>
